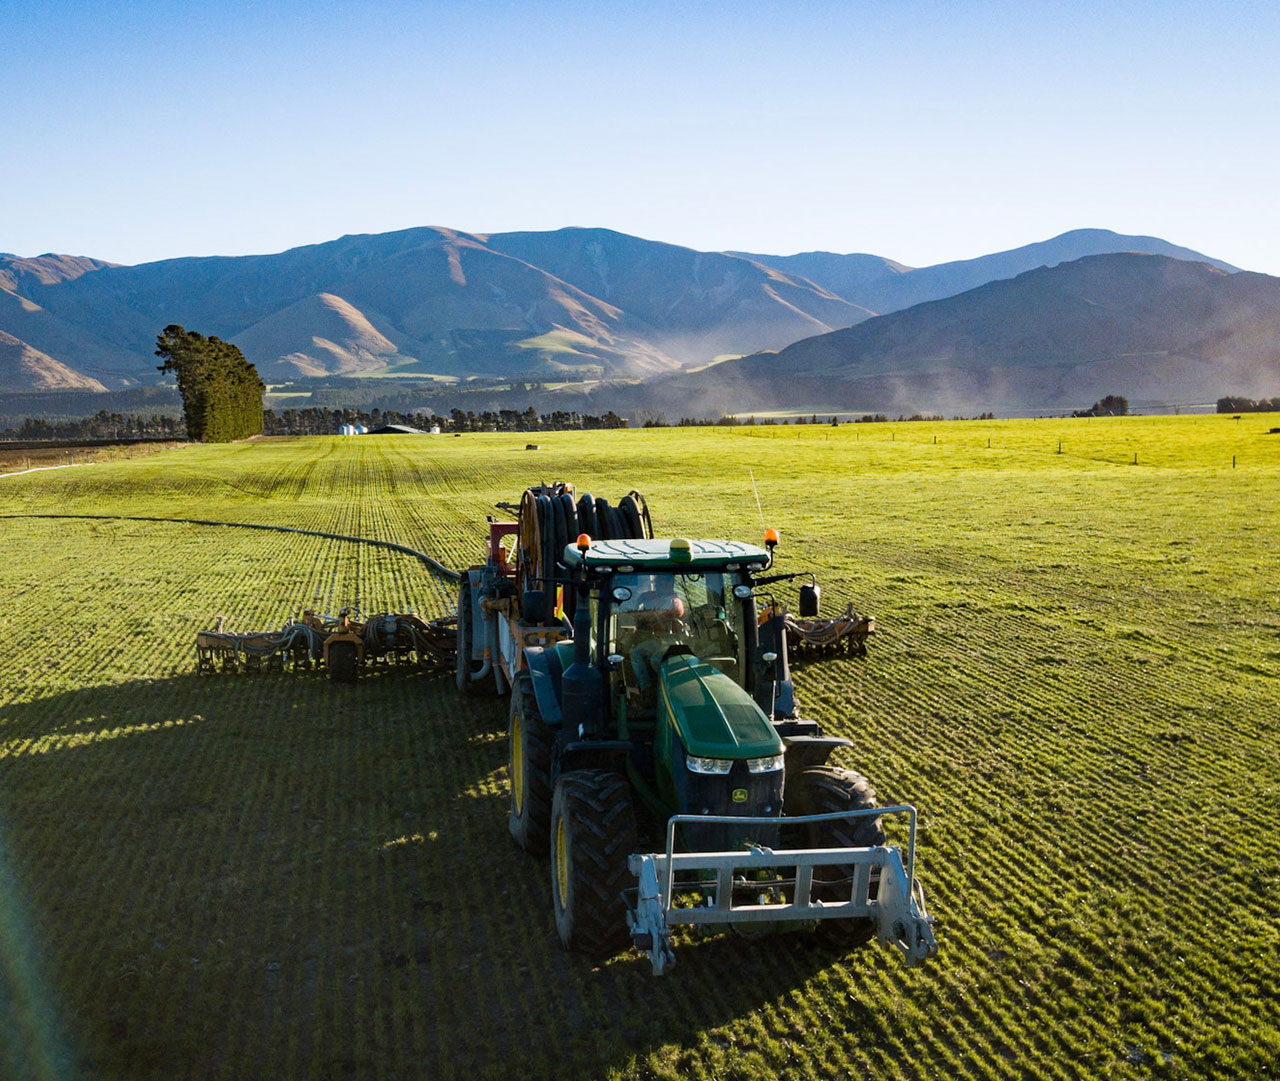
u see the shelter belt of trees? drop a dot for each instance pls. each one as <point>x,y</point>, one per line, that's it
<point>1248,405</point>
<point>221,391</point>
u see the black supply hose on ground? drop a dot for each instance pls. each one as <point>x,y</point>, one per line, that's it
<point>434,565</point>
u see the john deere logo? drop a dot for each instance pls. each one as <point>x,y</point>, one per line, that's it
<point>739,795</point>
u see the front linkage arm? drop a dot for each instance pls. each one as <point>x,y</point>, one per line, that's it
<point>898,908</point>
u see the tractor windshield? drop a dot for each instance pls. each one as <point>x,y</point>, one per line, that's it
<point>696,609</point>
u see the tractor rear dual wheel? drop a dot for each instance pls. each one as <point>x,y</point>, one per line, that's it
<point>828,790</point>
<point>593,831</point>
<point>529,740</point>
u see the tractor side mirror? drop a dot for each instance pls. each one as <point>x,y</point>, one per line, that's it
<point>615,661</point>
<point>809,597</point>
<point>768,658</point>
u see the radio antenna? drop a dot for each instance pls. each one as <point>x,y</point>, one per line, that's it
<point>759,505</point>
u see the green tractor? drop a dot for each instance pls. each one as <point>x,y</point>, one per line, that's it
<point>657,686</point>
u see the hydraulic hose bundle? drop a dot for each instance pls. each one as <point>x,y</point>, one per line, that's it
<point>552,516</point>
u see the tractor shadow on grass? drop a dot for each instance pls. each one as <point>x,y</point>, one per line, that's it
<point>276,876</point>
<point>489,956</point>
<point>197,854</point>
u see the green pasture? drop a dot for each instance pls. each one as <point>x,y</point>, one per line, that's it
<point>1076,680</point>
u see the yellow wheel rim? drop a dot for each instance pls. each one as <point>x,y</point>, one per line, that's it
<point>517,766</point>
<point>562,864</point>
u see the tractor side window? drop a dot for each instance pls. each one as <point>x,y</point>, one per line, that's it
<point>593,607</point>
<point>623,614</point>
<point>631,597</point>
<point>711,619</point>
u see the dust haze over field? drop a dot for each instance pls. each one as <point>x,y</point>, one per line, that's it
<point>1076,679</point>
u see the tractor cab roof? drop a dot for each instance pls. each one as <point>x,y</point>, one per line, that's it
<point>677,554</point>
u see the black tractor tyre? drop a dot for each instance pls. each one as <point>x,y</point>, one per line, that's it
<point>642,509</point>
<point>828,790</point>
<point>482,688</point>
<point>560,534</point>
<point>563,507</point>
<point>529,740</point>
<point>343,662</point>
<point>593,831</point>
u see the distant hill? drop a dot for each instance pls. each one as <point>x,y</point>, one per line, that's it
<point>17,272</point>
<point>428,300</point>
<point>318,335</point>
<point>693,305</point>
<point>68,350</point>
<point>1149,327</point>
<point>845,275</point>
<point>23,368</point>
<point>885,286</point>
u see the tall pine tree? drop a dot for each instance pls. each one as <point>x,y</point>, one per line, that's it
<point>221,391</point>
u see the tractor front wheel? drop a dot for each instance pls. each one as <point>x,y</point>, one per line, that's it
<point>593,831</point>
<point>828,790</point>
<point>529,740</point>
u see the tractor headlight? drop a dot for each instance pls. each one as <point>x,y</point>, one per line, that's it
<point>709,765</point>
<point>769,764</point>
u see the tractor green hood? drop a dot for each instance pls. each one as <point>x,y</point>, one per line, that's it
<point>713,716</point>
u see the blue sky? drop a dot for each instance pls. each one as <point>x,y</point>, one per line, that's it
<point>919,131</point>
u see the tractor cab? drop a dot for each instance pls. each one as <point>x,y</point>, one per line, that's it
<point>675,636</point>
<point>660,597</point>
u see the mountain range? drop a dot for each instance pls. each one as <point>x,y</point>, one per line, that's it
<point>427,301</point>
<point>574,303</point>
<point>1157,329</point>
<point>885,286</point>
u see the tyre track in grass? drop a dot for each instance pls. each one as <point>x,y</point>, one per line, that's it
<point>1015,874</point>
<point>929,703</point>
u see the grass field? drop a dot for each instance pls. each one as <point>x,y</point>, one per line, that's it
<point>1076,680</point>
<point>19,461</point>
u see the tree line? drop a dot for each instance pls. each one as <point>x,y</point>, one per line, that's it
<point>102,425</point>
<point>321,420</point>
<point>1248,405</point>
